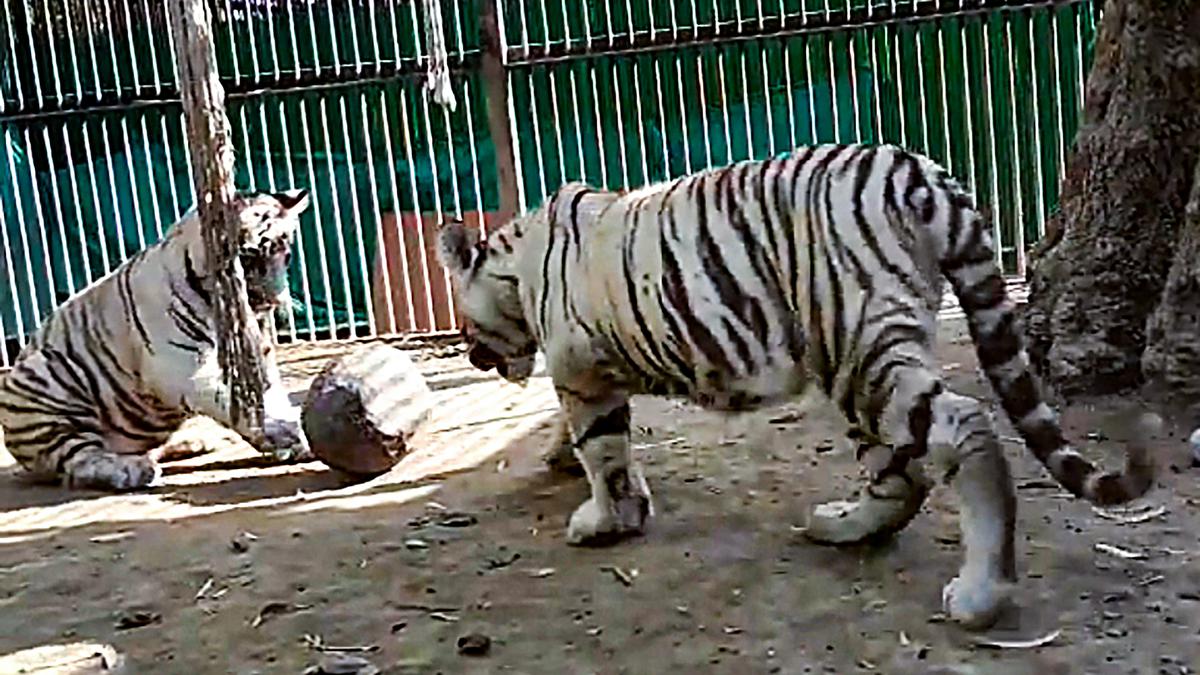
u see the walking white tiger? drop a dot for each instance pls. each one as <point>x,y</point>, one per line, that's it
<point>121,364</point>
<point>736,287</point>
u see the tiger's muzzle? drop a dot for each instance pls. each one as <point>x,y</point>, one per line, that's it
<point>484,357</point>
<point>516,369</point>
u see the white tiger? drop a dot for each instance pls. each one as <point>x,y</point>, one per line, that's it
<point>121,364</point>
<point>737,287</point>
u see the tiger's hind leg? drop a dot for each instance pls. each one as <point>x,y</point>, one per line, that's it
<point>560,455</point>
<point>891,499</point>
<point>964,445</point>
<point>99,469</point>
<point>83,460</point>
<point>922,418</point>
<point>52,427</point>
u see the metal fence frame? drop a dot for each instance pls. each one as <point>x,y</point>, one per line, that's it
<point>327,93</point>
<point>1009,146</point>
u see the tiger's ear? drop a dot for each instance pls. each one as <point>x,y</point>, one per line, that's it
<point>293,202</point>
<point>457,246</point>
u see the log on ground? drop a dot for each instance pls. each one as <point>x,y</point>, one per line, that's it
<point>362,409</point>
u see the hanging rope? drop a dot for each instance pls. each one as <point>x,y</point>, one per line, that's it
<point>437,69</point>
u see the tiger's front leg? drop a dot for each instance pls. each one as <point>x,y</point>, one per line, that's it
<point>281,435</point>
<point>620,501</point>
<point>282,432</point>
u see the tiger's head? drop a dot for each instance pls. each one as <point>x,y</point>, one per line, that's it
<point>488,291</point>
<point>269,222</point>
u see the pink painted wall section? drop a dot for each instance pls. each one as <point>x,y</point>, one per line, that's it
<point>419,290</point>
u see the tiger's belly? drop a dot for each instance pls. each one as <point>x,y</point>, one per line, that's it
<point>773,371</point>
<point>122,444</point>
<point>765,372</point>
<point>777,376</point>
<point>153,424</point>
<point>774,383</point>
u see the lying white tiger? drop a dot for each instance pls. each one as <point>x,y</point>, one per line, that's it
<point>735,287</point>
<point>121,364</point>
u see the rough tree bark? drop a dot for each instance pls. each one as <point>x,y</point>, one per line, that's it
<point>1172,358</point>
<point>239,343</point>
<point>1104,266</point>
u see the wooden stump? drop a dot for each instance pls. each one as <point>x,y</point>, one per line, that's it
<point>362,409</point>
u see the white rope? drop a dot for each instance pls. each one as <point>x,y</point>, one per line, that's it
<point>437,70</point>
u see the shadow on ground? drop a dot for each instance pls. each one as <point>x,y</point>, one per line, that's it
<point>466,536</point>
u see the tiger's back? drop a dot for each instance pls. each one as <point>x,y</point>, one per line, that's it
<point>824,265</point>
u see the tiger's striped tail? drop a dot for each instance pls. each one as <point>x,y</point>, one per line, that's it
<point>969,264</point>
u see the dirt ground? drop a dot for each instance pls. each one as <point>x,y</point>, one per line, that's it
<point>233,568</point>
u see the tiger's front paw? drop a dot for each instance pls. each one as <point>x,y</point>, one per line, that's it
<point>285,441</point>
<point>975,603</point>
<point>592,525</point>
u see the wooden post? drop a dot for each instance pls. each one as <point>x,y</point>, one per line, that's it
<point>239,339</point>
<point>495,83</point>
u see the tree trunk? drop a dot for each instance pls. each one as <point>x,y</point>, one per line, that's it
<point>1099,275</point>
<point>1172,358</point>
<point>239,339</point>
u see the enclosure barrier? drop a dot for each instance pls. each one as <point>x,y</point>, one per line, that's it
<point>328,94</point>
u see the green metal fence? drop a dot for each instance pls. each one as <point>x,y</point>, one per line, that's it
<point>991,89</point>
<point>327,94</point>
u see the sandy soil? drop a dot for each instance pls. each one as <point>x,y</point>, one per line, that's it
<point>237,568</point>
